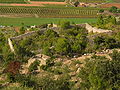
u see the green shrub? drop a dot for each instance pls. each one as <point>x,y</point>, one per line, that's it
<point>101,10</point>
<point>16,88</point>
<point>58,64</point>
<point>58,71</point>
<point>10,77</point>
<point>76,62</point>
<point>34,66</point>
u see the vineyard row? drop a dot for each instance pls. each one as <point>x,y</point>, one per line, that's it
<point>50,12</point>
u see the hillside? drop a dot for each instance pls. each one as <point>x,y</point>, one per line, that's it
<point>59,45</point>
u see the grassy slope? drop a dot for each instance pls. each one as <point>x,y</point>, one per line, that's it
<point>113,1</point>
<point>109,1</point>
<point>38,21</point>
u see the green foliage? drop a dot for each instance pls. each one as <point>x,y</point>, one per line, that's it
<point>113,9</point>
<point>101,10</point>
<point>34,66</point>
<point>16,88</point>
<point>49,63</point>
<point>22,30</point>
<point>105,42</point>
<point>76,62</point>
<point>100,20</point>
<point>106,22</point>
<point>2,39</point>
<point>43,26</point>
<point>36,21</point>
<point>115,55</point>
<point>51,33</point>
<point>100,74</point>
<point>10,77</point>
<point>76,4</point>
<point>64,24</point>
<point>62,46</point>
<point>23,52</point>
<point>48,83</point>
<point>53,42</point>
<point>12,1</point>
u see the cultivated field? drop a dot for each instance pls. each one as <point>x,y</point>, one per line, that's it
<point>110,5</point>
<point>13,1</point>
<point>93,1</point>
<point>57,3</point>
<point>118,1</point>
<point>51,12</point>
<point>38,21</point>
<point>87,1</point>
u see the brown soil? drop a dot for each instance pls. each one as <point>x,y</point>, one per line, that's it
<point>110,5</point>
<point>26,4</point>
<point>36,2</point>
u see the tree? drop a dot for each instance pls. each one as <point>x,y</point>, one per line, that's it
<point>99,73</point>
<point>115,55</point>
<point>22,30</point>
<point>62,46</point>
<point>99,42</point>
<point>2,39</point>
<point>100,20</point>
<point>51,33</point>
<point>64,24</point>
<point>34,66</point>
<point>113,9</point>
<point>76,4</point>
<point>101,10</point>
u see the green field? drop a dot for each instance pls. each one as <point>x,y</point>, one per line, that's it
<point>38,21</point>
<point>13,1</point>
<point>113,1</point>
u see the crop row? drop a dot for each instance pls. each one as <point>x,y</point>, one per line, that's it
<point>50,12</point>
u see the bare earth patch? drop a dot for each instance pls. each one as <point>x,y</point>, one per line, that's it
<point>110,5</point>
<point>36,2</point>
<point>26,4</point>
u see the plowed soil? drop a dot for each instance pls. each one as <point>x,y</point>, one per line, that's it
<point>26,5</point>
<point>35,3</point>
<point>110,5</point>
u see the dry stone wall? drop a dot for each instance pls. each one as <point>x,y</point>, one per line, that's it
<point>86,25</point>
<point>96,30</point>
